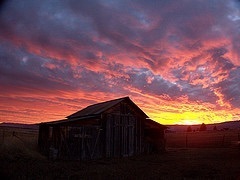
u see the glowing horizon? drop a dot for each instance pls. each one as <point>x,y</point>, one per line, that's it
<point>178,61</point>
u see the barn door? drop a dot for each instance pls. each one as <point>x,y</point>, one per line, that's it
<point>127,128</point>
<point>120,138</point>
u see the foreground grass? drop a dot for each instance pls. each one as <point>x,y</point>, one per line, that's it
<point>19,159</point>
<point>174,164</point>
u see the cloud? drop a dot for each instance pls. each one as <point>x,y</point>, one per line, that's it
<point>26,71</point>
<point>230,88</point>
<point>165,51</point>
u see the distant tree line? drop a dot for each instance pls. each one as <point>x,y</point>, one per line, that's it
<point>203,127</point>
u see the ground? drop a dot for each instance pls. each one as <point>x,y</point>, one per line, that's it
<point>19,159</point>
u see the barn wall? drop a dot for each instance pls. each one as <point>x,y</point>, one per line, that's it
<point>120,136</point>
<point>154,140</point>
<point>43,138</point>
<point>77,142</point>
<point>123,132</point>
<point>85,142</point>
<point>71,142</point>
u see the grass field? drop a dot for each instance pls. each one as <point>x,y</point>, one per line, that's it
<point>203,139</point>
<point>19,159</point>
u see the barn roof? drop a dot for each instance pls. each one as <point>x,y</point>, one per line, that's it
<point>99,108</point>
<point>153,124</point>
<point>72,120</point>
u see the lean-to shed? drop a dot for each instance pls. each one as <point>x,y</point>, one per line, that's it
<point>115,128</point>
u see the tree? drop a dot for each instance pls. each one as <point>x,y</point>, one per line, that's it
<point>203,127</point>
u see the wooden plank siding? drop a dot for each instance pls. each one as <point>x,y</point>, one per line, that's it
<point>74,142</point>
<point>123,136</point>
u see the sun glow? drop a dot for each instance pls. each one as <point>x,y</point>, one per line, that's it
<point>190,118</point>
<point>189,122</point>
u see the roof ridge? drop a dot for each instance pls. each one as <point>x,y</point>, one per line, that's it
<point>126,97</point>
<point>111,102</point>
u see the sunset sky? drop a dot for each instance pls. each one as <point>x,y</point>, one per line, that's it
<point>178,60</point>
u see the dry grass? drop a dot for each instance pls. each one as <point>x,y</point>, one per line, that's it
<point>18,143</point>
<point>20,160</point>
<point>204,139</point>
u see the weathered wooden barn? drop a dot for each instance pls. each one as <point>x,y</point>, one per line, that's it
<point>115,128</point>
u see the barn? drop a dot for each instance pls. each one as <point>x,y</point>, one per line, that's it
<point>115,128</point>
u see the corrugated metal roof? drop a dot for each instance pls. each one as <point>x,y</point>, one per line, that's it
<point>99,108</point>
<point>153,124</point>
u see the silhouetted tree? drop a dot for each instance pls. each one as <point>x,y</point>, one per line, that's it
<point>203,127</point>
<point>189,129</point>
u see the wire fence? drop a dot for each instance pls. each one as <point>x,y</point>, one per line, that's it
<point>22,134</point>
<point>204,139</point>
